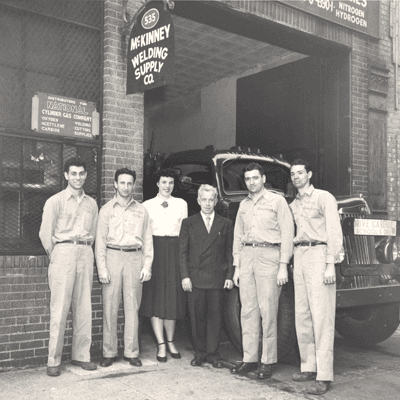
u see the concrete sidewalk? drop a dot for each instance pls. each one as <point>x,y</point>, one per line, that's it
<point>175,379</point>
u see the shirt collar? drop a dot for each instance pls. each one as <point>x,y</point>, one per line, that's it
<point>70,194</point>
<point>115,201</point>
<point>204,216</point>
<point>158,197</point>
<point>309,191</point>
<point>264,194</point>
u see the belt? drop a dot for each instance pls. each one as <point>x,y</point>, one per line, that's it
<point>121,249</point>
<point>309,244</point>
<point>76,242</point>
<point>265,244</point>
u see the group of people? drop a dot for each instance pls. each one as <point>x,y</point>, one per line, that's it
<point>152,253</point>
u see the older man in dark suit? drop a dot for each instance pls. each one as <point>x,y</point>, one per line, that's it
<point>206,264</point>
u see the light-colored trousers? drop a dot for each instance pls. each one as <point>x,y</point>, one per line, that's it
<point>124,269</point>
<point>70,281</point>
<point>259,295</point>
<point>315,305</point>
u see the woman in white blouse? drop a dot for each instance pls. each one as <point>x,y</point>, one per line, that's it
<point>163,298</point>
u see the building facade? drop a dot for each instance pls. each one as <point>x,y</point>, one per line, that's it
<point>315,79</point>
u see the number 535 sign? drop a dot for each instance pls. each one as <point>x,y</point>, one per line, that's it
<point>151,50</point>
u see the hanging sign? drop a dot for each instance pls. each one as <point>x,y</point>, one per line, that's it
<point>58,115</point>
<point>151,50</point>
<point>359,15</point>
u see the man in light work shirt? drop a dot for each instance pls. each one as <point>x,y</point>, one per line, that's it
<point>124,255</point>
<point>262,248</point>
<point>318,243</point>
<point>67,233</point>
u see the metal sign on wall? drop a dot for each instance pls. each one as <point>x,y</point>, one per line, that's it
<point>151,50</point>
<point>359,15</point>
<point>58,115</point>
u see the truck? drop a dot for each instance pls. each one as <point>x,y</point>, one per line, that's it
<point>368,278</point>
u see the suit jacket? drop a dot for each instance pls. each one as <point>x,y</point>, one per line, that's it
<point>206,258</point>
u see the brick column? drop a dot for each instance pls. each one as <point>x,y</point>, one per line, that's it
<point>122,114</point>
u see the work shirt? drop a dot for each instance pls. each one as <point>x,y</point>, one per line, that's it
<point>66,218</point>
<point>317,219</point>
<point>166,221</point>
<point>123,227</point>
<point>268,219</point>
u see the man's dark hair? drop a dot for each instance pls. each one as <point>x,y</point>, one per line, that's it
<point>74,162</point>
<point>166,172</point>
<point>252,166</point>
<point>299,161</point>
<point>125,171</point>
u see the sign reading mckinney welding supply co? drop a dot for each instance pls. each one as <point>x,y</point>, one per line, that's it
<point>65,116</point>
<point>359,15</point>
<point>151,50</point>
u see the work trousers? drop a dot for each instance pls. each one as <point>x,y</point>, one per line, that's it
<point>124,269</point>
<point>315,305</point>
<point>205,308</point>
<point>259,295</point>
<point>70,281</point>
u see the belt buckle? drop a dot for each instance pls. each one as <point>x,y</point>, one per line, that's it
<point>253,245</point>
<point>309,244</point>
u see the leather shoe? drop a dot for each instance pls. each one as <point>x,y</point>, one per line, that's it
<point>173,355</point>
<point>244,368</point>
<point>319,387</point>
<point>304,376</point>
<point>161,358</point>
<point>264,372</point>
<point>107,361</point>
<point>87,365</point>
<point>53,371</point>
<point>135,361</point>
<point>196,362</point>
<point>218,363</point>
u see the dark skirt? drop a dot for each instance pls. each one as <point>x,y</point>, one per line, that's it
<point>163,296</point>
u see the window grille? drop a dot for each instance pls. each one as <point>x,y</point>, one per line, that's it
<point>51,46</point>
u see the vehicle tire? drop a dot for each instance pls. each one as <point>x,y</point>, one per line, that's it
<point>366,326</point>
<point>286,323</point>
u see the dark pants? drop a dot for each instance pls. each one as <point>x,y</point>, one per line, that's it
<point>205,306</point>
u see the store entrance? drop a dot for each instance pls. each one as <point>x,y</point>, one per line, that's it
<point>300,110</point>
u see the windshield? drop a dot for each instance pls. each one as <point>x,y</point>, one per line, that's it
<point>277,176</point>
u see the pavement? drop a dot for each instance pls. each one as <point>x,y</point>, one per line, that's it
<point>366,374</point>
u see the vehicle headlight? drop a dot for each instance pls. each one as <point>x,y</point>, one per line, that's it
<point>386,251</point>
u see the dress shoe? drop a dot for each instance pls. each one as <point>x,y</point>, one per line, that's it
<point>159,358</point>
<point>319,387</point>
<point>304,376</point>
<point>218,363</point>
<point>135,361</point>
<point>173,355</point>
<point>87,365</point>
<point>196,362</point>
<point>244,368</point>
<point>53,371</point>
<point>107,361</point>
<point>264,372</point>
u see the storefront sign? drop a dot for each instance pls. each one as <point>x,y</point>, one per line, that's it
<point>151,50</point>
<point>359,15</point>
<point>64,116</point>
<point>375,227</point>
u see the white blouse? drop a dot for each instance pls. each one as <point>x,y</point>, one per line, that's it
<point>166,221</point>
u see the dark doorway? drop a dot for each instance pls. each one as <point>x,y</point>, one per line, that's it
<point>301,109</point>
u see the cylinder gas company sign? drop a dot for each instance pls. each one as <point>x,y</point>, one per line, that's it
<point>151,50</point>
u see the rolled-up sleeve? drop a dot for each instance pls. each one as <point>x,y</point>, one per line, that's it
<point>147,236</point>
<point>101,240</point>
<point>49,219</point>
<point>238,238</point>
<point>333,227</point>
<point>286,226</point>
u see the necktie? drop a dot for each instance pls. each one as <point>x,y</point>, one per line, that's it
<point>208,226</point>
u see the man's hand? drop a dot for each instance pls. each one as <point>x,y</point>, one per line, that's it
<point>236,276</point>
<point>187,285</point>
<point>145,275</point>
<point>105,277</point>
<point>282,276</point>
<point>228,284</point>
<point>330,274</point>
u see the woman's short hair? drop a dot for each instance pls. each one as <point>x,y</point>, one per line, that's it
<point>207,188</point>
<point>166,172</point>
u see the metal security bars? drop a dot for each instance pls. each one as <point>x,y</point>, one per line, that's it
<point>52,47</point>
